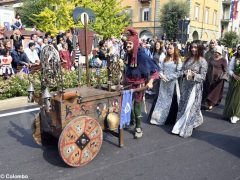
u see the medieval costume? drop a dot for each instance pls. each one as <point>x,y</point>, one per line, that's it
<point>210,53</point>
<point>140,69</point>
<point>167,89</point>
<point>232,104</point>
<point>189,113</point>
<point>214,84</point>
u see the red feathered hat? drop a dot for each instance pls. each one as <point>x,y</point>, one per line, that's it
<point>133,36</point>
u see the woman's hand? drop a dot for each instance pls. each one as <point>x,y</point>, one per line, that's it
<point>150,84</point>
<point>189,74</point>
<point>163,77</point>
<point>236,77</point>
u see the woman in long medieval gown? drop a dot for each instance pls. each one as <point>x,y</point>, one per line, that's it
<point>194,73</point>
<point>170,68</point>
<point>214,84</point>
<point>232,104</point>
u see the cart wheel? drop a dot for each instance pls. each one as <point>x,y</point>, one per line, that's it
<point>80,141</point>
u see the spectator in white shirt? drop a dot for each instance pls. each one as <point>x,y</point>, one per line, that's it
<point>32,54</point>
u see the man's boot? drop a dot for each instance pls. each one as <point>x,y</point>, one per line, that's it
<point>137,113</point>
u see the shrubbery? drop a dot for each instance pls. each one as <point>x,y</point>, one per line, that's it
<point>17,85</point>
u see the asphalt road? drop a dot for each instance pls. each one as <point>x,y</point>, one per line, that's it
<point>212,153</point>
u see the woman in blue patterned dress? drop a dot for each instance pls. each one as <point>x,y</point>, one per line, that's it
<point>194,73</point>
<point>170,68</point>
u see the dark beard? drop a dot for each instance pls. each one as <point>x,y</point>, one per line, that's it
<point>130,52</point>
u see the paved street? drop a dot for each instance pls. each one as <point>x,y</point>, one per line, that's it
<point>212,153</point>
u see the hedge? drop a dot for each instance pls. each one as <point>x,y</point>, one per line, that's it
<point>18,84</point>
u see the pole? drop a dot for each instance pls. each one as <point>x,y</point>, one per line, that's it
<point>182,32</point>
<point>79,72</point>
<point>86,47</point>
<point>109,71</point>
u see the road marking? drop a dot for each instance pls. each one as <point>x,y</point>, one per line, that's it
<point>19,112</point>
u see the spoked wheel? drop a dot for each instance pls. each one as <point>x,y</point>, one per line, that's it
<point>80,141</point>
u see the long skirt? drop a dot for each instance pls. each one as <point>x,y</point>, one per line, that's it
<point>164,101</point>
<point>213,93</point>
<point>189,113</point>
<point>232,104</point>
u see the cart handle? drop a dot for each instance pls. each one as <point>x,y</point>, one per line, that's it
<point>137,89</point>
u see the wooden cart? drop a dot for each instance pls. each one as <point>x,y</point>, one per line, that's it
<point>76,117</point>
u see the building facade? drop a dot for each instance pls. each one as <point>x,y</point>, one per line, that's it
<point>204,16</point>
<point>7,11</point>
<point>230,20</point>
<point>145,16</point>
<point>205,19</point>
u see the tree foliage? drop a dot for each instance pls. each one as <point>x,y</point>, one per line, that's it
<point>56,15</point>
<point>171,13</point>
<point>230,39</point>
<point>111,19</point>
<point>56,18</point>
<point>31,7</point>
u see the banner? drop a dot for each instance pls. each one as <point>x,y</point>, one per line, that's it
<point>234,10</point>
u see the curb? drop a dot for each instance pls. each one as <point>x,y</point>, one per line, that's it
<point>13,104</point>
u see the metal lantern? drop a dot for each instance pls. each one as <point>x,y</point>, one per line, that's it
<point>30,91</point>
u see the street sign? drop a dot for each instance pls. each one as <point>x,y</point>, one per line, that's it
<point>78,11</point>
<point>85,45</point>
<point>84,15</point>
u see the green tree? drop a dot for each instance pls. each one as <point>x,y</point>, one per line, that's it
<point>31,7</point>
<point>57,17</point>
<point>171,13</point>
<point>111,19</point>
<point>230,39</point>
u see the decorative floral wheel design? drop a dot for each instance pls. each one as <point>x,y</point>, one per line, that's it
<point>80,141</point>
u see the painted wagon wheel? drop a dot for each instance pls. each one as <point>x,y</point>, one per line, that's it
<point>80,141</point>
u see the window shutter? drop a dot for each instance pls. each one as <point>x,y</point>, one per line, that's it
<point>131,13</point>
<point>150,14</point>
<point>140,15</point>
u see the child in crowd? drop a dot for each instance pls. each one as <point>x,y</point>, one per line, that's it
<point>6,69</point>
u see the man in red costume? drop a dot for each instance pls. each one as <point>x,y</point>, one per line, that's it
<point>141,71</point>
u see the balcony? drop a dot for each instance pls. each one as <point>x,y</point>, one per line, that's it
<point>226,2</point>
<point>225,20</point>
<point>145,1</point>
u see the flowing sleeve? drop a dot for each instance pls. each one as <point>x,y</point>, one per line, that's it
<point>201,76</point>
<point>161,66</point>
<point>231,66</point>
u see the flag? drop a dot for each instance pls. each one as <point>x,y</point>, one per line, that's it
<point>234,9</point>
